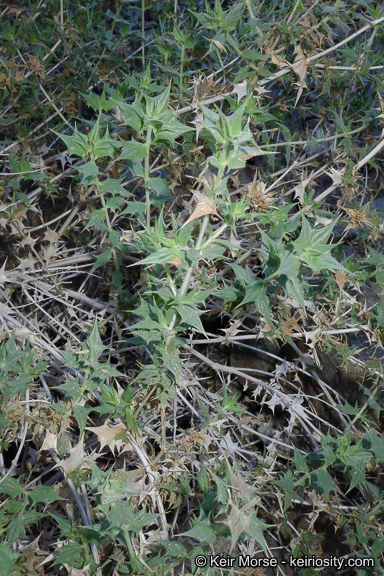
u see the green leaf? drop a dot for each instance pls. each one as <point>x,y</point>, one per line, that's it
<point>65,525</point>
<point>190,316</point>
<point>197,296</point>
<point>102,259</point>
<point>11,487</point>
<point>20,384</point>
<point>7,559</point>
<point>243,274</point>
<point>105,147</point>
<point>255,530</point>
<point>44,494</point>
<point>77,144</point>
<point>97,218</point>
<point>202,531</point>
<point>222,489</point>
<point>98,103</point>
<point>170,131</point>
<point>89,170</point>
<point>256,292</point>
<point>229,294</point>
<point>162,256</point>
<point>134,114</point>
<point>232,17</point>
<point>211,123</point>
<point>95,345</point>
<point>322,482</point>
<point>122,515</point>
<point>293,288</point>
<point>288,486</point>
<point>133,150</point>
<point>72,554</point>
<point>252,55</point>
<point>312,249</point>
<point>160,186</point>
<point>114,203</point>
<point>98,477</point>
<point>113,186</point>
<point>376,445</point>
<point>157,107</point>
<point>81,415</point>
<point>15,529</point>
<point>327,452</point>
<point>135,208</point>
<point>174,548</point>
<point>72,388</point>
<point>300,461</point>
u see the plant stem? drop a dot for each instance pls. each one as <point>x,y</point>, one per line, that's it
<point>215,235</point>
<point>250,11</point>
<point>146,175</point>
<point>143,33</point>
<point>128,541</point>
<point>181,70</point>
<point>109,225</point>
<point>188,275</point>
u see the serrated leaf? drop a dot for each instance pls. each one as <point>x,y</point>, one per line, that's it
<point>11,487</point>
<point>95,345</point>
<point>376,445</point>
<point>77,144</point>
<point>113,186</point>
<point>133,150</point>
<point>170,131</point>
<point>256,292</point>
<point>71,387</point>
<point>197,296</point>
<point>44,494</point>
<point>211,123</point>
<point>96,218</point>
<point>122,515</point>
<point>243,274</point>
<point>190,315</point>
<point>81,415</point>
<point>161,256</point>
<point>15,529</point>
<point>88,170</point>
<point>174,548</point>
<point>7,559</point>
<point>300,461</point>
<point>133,114</point>
<point>322,482</point>
<point>294,289</point>
<point>102,260</point>
<point>159,185</point>
<point>202,531</point>
<point>70,554</point>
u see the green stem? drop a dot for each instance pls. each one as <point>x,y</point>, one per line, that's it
<point>143,33</point>
<point>250,11</point>
<point>109,225</point>
<point>146,175</point>
<point>188,275</point>
<point>187,278</point>
<point>214,236</point>
<point>128,541</point>
<point>181,70</point>
<point>198,246</point>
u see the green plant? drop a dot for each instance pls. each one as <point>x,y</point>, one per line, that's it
<point>190,246</point>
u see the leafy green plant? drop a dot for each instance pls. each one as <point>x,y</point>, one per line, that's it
<point>191,243</point>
